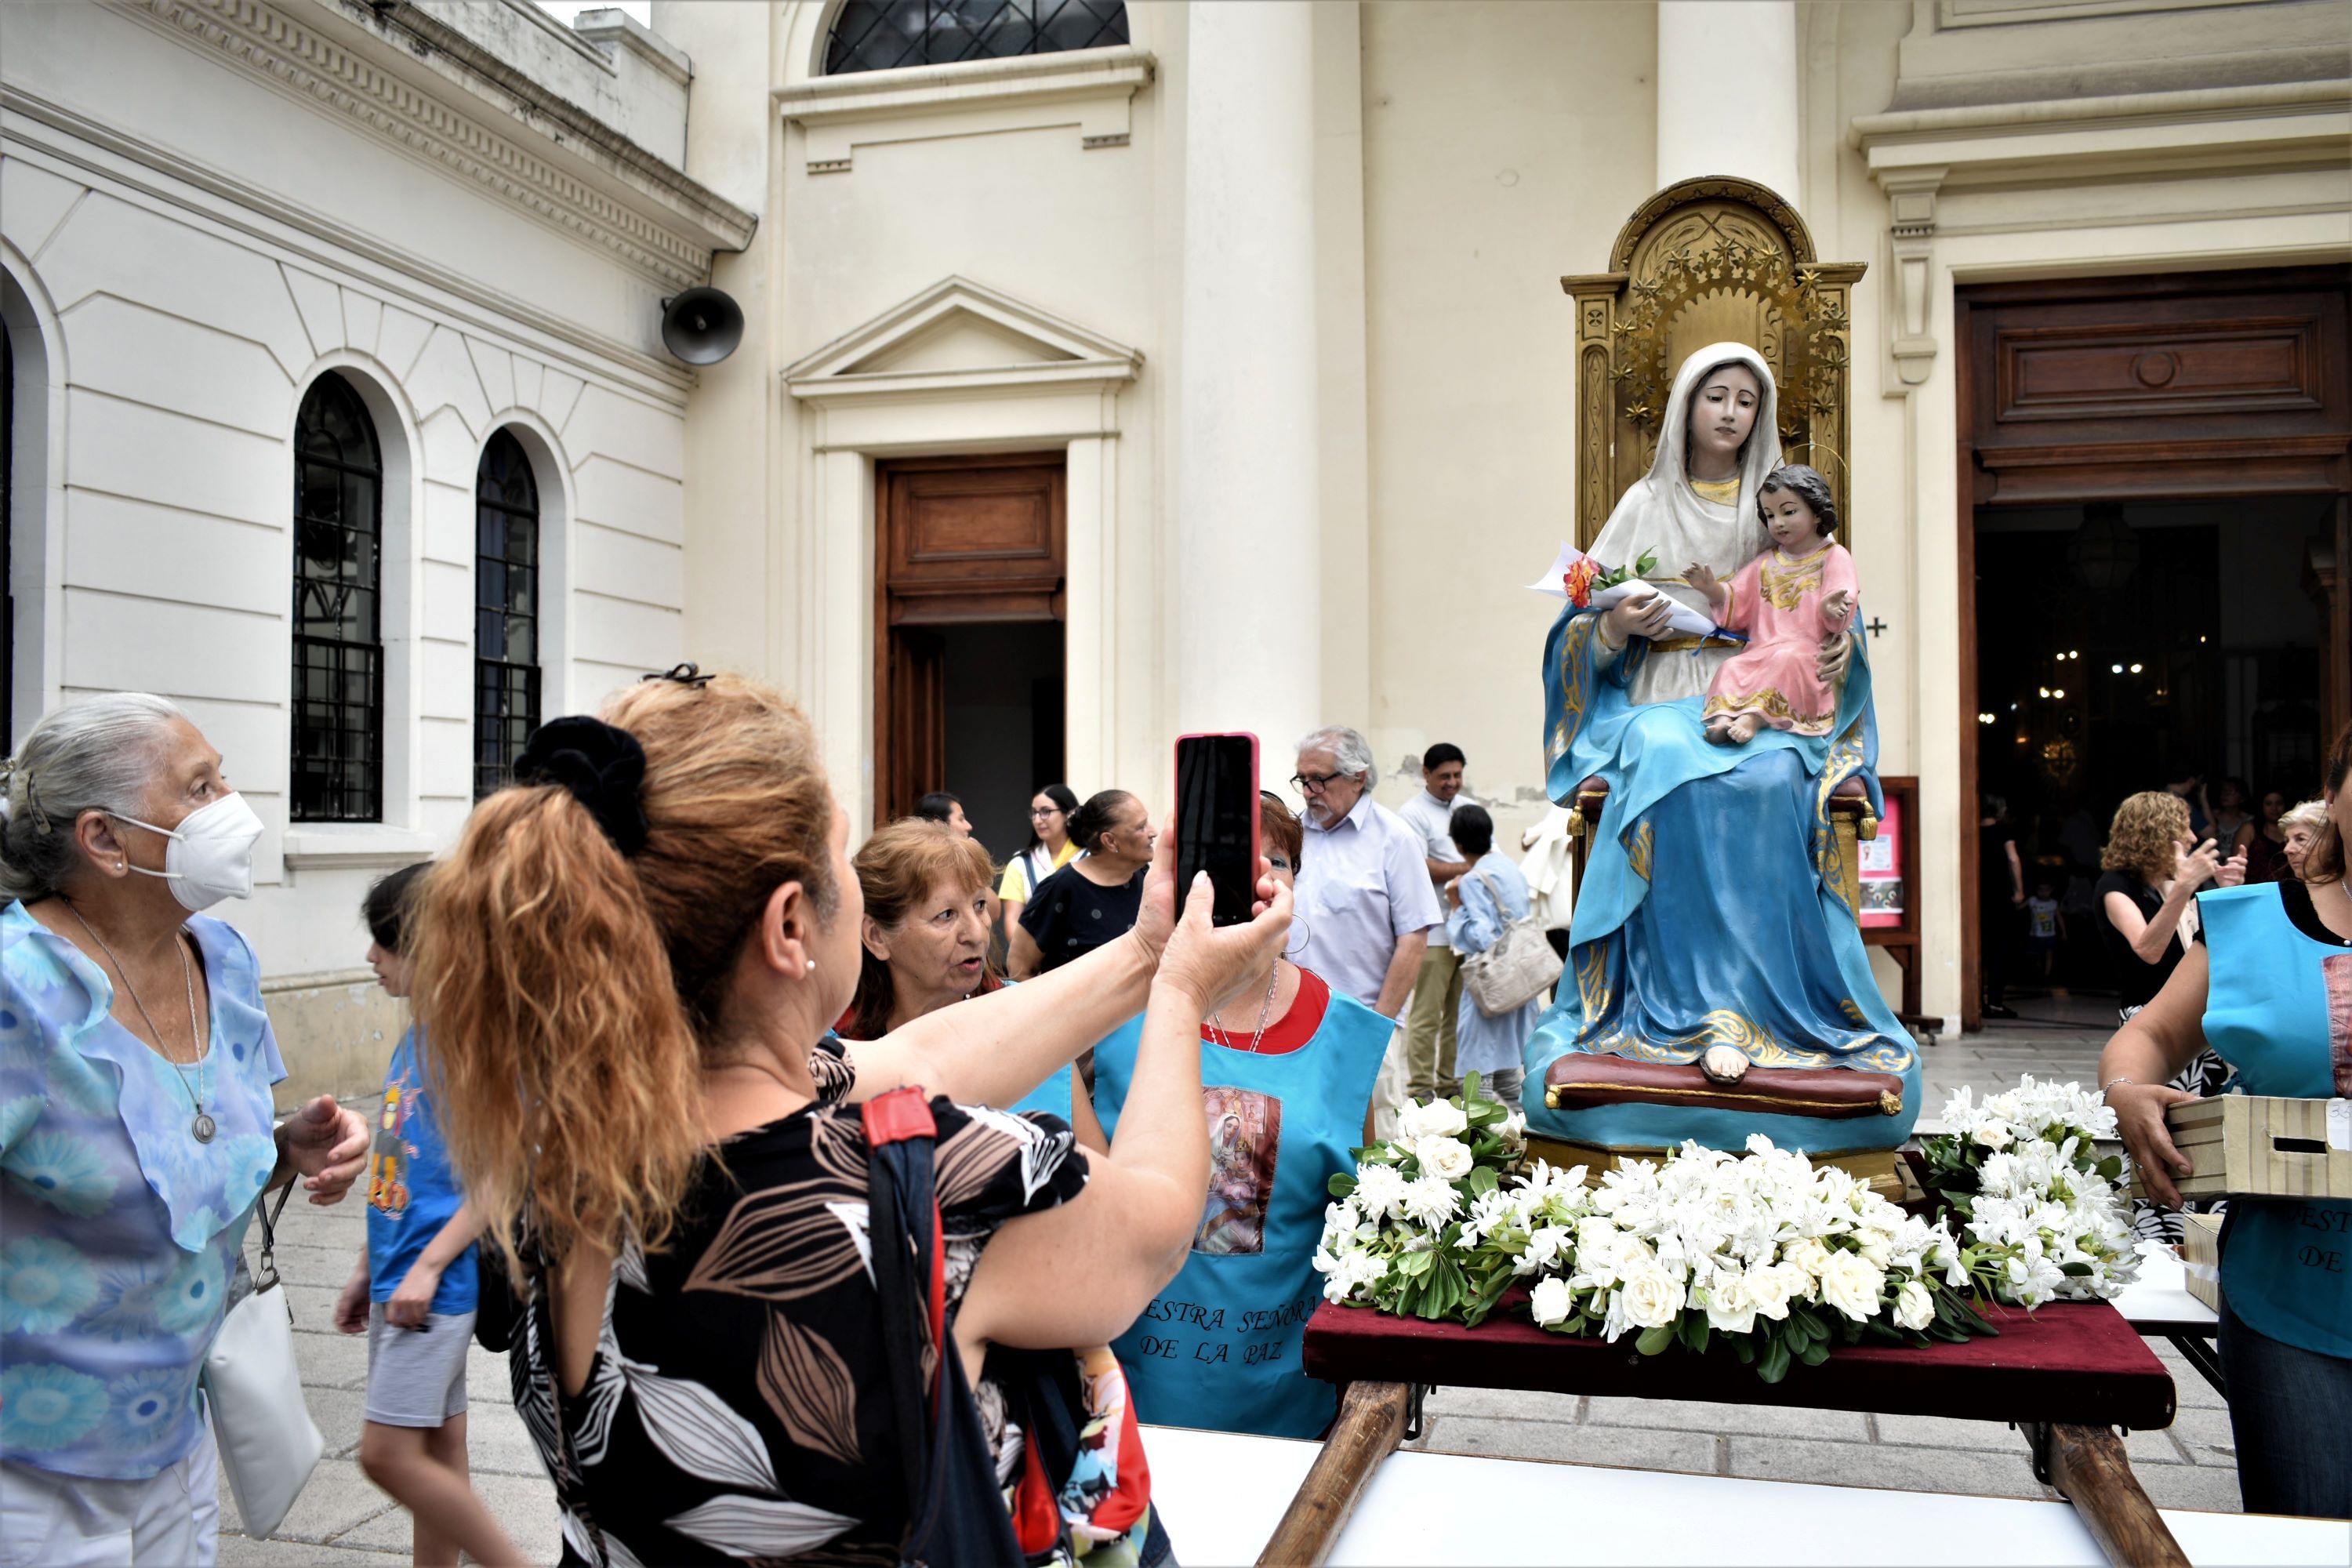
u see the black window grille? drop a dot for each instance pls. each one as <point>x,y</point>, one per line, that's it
<point>878,34</point>
<point>337,763</point>
<point>506,610</point>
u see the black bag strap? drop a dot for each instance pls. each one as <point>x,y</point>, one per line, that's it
<point>955,1509</point>
<point>268,1278</point>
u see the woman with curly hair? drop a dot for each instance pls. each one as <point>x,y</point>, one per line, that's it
<point>2151,876</point>
<point>2152,872</point>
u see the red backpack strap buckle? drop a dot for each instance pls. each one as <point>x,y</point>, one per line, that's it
<point>897,1116</point>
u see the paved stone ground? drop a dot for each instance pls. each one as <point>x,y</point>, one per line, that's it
<point>342,1517</point>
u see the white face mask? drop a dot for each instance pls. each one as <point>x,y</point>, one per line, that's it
<point>211,855</point>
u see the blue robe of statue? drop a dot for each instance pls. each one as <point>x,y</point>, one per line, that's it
<point>1709,913</point>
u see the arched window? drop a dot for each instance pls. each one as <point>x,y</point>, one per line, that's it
<point>338,766</point>
<point>506,610</point>
<point>877,35</point>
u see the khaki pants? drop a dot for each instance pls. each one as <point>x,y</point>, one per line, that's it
<point>1429,1023</point>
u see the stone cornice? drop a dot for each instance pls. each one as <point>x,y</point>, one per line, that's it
<point>1090,88</point>
<point>617,197</point>
<point>84,150</point>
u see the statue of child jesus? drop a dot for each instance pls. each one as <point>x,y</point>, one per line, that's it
<point>1786,599</point>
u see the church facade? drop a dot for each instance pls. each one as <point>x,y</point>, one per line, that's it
<point>1113,371</point>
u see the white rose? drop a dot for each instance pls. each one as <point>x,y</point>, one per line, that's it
<point>1768,1286</point>
<point>1808,1255</point>
<point>1914,1307</point>
<point>1438,1118</point>
<point>1730,1307</point>
<point>1550,1301</point>
<point>1448,1158</point>
<point>1851,1284</point>
<point>1650,1297</point>
<point>1992,1135</point>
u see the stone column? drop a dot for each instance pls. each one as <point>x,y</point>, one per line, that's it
<point>1248,613</point>
<point>1727,92</point>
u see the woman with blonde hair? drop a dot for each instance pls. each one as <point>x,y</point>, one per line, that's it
<point>2152,871</point>
<point>2303,827</point>
<point>626,969</point>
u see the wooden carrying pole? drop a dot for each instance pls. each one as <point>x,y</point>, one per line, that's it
<point>2088,1465</point>
<point>1370,1425</point>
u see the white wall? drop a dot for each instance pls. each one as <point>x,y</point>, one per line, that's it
<point>179,227</point>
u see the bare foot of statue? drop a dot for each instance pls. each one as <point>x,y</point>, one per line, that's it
<point>1719,731</point>
<point>1742,730</point>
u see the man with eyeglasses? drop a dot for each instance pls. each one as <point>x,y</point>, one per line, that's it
<point>1363,890</point>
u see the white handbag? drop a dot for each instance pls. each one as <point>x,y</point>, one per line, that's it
<point>1516,970</point>
<point>269,1444</point>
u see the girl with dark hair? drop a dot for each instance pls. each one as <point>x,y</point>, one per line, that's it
<point>1093,898</point>
<point>1050,848</point>
<point>2267,988</point>
<point>1788,599</point>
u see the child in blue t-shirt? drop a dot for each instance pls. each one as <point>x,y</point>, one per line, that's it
<point>412,1292</point>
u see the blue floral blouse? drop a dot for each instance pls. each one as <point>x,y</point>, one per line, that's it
<point>118,1230</point>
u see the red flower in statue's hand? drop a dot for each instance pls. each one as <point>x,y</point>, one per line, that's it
<point>1579,580</point>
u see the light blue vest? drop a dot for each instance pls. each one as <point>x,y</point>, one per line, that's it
<point>2287,1263</point>
<point>1219,1347</point>
<point>1053,1095</point>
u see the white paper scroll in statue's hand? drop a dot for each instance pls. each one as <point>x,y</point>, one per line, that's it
<point>1683,620</point>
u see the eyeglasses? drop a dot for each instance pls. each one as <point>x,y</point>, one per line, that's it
<point>1313,784</point>
<point>1036,812</point>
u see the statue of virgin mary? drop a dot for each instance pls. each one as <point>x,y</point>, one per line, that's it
<point>1709,914</point>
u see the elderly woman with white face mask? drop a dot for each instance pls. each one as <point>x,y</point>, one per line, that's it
<point>135,1128</point>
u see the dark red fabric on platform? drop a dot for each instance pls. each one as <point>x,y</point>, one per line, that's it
<point>2074,1362</point>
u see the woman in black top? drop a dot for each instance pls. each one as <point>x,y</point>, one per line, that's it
<point>627,968</point>
<point>2152,873</point>
<point>1093,899</point>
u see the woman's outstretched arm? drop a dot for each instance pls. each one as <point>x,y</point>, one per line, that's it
<point>1125,1234</point>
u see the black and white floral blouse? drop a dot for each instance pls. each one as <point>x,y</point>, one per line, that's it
<point>737,1408</point>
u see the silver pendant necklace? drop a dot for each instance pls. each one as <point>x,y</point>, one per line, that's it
<point>203,1127</point>
<point>1263,1009</point>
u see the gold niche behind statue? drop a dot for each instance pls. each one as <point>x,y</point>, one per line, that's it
<point>1714,259</point>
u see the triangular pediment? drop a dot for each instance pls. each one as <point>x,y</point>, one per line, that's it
<point>959,333</point>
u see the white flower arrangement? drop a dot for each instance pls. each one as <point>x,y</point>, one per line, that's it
<point>2042,1215</point>
<point>1780,1259</point>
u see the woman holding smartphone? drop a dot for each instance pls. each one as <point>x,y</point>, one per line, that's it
<point>1287,1072</point>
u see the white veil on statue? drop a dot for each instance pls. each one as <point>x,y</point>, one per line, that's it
<point>1661,515</point>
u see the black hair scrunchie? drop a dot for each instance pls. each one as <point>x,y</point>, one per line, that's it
<point>602,766</point>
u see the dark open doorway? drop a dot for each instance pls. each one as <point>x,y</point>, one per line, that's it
<point>2154,472</point>
<point>968,657</point>
<point>1004,713</point>
<point>2122,646</point>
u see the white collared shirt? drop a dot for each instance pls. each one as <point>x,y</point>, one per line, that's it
<point>1434,819</point>
<point>1362,883</point>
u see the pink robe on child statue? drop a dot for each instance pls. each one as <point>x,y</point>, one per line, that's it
<point>1779,603</point>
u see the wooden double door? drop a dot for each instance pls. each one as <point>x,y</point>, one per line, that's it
<point>971,571</point>
<point>2146,427</point>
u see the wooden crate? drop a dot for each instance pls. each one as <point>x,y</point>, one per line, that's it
<point>2200,1257</point>
<point>2248,1145</point>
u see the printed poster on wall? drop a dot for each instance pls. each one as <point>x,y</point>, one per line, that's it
<point>1882,868</point>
